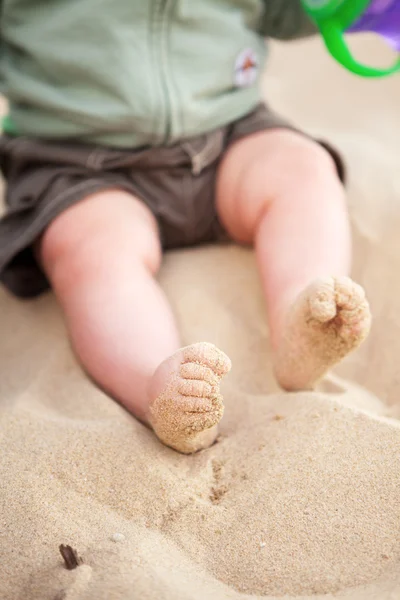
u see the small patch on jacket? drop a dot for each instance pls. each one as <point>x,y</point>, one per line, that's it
<point>246,68</point>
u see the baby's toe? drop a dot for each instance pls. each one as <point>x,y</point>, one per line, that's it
<point>208,355</point>
<point>195,387</point>
<point>194,405</point>
<point>321,300</point>
<point>354,314</point>
<point>198,414</point>
<point>197,371</point>
<point>348,294</point>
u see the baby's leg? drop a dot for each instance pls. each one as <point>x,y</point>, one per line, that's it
<point>281,191</point>
<point>100,256</point>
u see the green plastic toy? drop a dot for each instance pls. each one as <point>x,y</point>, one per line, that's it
<point>336,17</point>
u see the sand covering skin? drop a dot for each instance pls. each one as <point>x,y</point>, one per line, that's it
<point>301,494</point>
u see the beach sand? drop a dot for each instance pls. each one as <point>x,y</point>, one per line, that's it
<point>300,497</point>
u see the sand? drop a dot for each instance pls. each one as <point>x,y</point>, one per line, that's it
<point>300,496</point>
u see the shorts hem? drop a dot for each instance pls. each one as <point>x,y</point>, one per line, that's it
<point>25,278</point>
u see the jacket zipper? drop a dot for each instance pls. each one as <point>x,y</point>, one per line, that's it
<point>161,32</point>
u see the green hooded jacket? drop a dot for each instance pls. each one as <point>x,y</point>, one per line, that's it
<point>136,73</point>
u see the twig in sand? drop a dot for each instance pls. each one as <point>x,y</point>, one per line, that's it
<point>70,556</point>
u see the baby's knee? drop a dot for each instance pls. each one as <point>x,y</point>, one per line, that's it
<point>63,239</point>
<point>298,157</point>
<point>293,162</point>
<point>93,235</point>
<point>272,165</point>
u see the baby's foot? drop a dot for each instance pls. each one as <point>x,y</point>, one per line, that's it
<point>186,403</point>
<point>328,320</point>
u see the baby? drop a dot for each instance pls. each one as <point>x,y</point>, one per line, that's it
<point>137,126</point>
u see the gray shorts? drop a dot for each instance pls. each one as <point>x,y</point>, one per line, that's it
<point>177,183</point>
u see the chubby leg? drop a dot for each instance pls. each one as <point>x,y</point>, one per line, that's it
<point>100,256</point>
<point>280,191</point>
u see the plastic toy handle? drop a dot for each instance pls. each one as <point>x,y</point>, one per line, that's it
<point>337,46</point>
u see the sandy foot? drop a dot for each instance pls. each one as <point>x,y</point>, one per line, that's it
<point>328,320</point>
<point>187,403</point>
